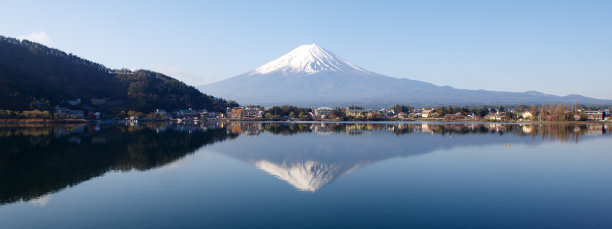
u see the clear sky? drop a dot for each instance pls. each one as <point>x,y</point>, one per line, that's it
<point>557,47</point>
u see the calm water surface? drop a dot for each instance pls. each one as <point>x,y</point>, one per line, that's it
<point>306,175</point>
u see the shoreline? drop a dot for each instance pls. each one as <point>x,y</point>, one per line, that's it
<point>19,122</point>
<point>43,121</point>
<point>420,121</point>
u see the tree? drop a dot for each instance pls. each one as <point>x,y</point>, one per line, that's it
<point>338,113</point>
<point>132,113</point>
<point>34,76</point>
<point>401,108</point>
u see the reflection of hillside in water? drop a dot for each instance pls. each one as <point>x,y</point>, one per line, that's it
<point>310,161</point>
<point>38,160</point>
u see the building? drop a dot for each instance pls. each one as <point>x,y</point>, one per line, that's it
<point>93,114</point>
<point>212,115</point>
<point>527,115</point>
<point>251,128</point>
<point>63,112</point>
<point>132,120</point>
<point>323,112</point>
<point>252,111</point>
<point>427,112</point>
<point>455,116</point>
<point>236,112</point>
<point>189,113</point>
<point>371,113</point>
<point>354,111</point>
<point>163,114</point>
<point>472,116</point>
<point>594,115</point>
<point>386,113</point>
<point>498,116</point>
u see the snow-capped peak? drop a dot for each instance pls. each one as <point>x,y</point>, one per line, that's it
<point>308,59</point>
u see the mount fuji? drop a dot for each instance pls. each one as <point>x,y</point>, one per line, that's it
<point>310,75</point>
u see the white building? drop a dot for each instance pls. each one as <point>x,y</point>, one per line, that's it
<point>323,111</point>
<point>427,112</point>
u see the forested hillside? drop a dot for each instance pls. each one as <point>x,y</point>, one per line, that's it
<point>33,76</point>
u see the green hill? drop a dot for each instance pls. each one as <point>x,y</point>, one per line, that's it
<point>35,76</point>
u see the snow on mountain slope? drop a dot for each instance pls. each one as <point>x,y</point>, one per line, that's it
<point>308,59</point>
<point>312,76</point>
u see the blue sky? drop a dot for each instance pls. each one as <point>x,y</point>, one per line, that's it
<point>556,47</point>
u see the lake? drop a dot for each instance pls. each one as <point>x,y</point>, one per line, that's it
<point>306,175</point>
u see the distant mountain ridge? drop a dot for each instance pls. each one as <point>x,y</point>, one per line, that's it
<point>33,73</point>
<point>310,75</point>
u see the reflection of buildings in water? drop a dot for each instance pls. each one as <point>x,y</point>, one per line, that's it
<point>248,128</point>
<point>187,128</point>
<point>527,129</point>
<point>495,127</point>
<point>354,129</point>
<point>307,166</point>
<point>359,128</point>
<point>160,129</point>
<point>425,128</point>
<point>472,126</point>
<point>236,127</point>
<point>252,128</point>
<point>213,124</point>
<point>401,128</point>
<point>595,129</point>
<point>321,128</point>
<point>63,131</point>
<point>309,163</point>
<point>561,131</point>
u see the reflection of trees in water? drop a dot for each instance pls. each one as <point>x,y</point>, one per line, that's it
<point>552,132</point>
<point>36,162</point>
<point>310,162</point>
<point>287,128</point>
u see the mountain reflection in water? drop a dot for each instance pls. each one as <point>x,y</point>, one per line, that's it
<point>309,162</point>
<point>38,160</point>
